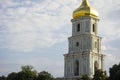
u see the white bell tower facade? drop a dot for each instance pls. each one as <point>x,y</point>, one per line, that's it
<point>84,54</point>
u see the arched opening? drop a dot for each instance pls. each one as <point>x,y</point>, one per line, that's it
<point>96,66</point>
<point>78,27</point>
<point>77,44</point>
<point>76,70</point>
<point>95,44</point>
<point>93,27</point>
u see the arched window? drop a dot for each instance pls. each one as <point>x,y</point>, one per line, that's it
<point>93,27</point>
<point>78,27</point>
<point>96,66</point>
<point>95,44</point>
<point>77,44</point>
<point>76,69</point>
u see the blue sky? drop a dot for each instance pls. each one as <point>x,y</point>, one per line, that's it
<point>35,32</point>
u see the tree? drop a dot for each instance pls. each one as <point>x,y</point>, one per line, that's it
<point>85,77</point>
<point>78,78</point>
<point>100,75</point>
<point>12,76</point>
<point>3,78</point>
<point>27,73</point>
<point>44,76</point>
<point>115,72</point>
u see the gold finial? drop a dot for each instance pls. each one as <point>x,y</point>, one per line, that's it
<point>85,10</point>
<point>85,3</point>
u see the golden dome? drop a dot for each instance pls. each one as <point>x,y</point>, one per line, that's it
<point>85,10</point>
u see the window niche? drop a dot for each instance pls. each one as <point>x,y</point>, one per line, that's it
<point>76,69</point>
<point>77,44</point>
<point>96,66</point>
<point>95,44</point>
<point>94,28</point>
<point>78,27</point>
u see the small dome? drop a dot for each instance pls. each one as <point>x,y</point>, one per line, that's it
<point>85,10</point>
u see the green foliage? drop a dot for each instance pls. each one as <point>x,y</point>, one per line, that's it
<point>100,75</point>
<point>78,78</point>
<point>44,76</point>
<point>85,77</point>
<point>27,73</point>
<point>12,76</point>
<point>3,78</point>
<point>115,72</point>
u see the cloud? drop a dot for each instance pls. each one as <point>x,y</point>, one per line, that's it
<point>31,27</point>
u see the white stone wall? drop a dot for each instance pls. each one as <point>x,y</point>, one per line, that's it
<point>84,43</point>
<point>86,24</point>
<point>83,64</point>
<point>87,52</point>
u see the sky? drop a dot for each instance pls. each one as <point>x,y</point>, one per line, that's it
<point>35,32</point>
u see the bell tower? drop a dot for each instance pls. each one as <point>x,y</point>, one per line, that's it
<point>84,55</point>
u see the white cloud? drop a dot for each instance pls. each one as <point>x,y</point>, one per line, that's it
<point>28,28</point>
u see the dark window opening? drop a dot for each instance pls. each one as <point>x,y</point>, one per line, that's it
<point>78,27</point>
<point>96,65</point>
<point>93,27</point>
<point>76,68</point>
<point>77,44</point>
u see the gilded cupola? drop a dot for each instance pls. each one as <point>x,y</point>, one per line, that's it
<point>85,10</point>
